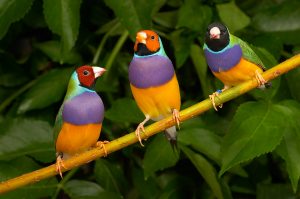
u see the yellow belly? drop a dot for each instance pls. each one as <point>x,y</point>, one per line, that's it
<point>158,101</point>
<point>73,139</point>
<point>243,71</point>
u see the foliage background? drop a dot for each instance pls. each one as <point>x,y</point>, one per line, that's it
<point>248,149</point>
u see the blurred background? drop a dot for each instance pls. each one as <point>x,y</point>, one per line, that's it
<point>248,149</point>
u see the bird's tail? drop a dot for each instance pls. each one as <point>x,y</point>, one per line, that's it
<point>171,135</point>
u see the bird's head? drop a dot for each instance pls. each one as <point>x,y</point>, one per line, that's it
<point>87,75</point>
<point>147,43</point>
<point>217,36</point>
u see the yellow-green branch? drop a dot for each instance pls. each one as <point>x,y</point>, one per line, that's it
<point>150,130</point>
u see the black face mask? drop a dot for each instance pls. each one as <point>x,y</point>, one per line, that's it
<point>142,50</point>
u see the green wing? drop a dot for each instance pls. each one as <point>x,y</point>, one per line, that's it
<point>248,53</point>
<point>58,124</point>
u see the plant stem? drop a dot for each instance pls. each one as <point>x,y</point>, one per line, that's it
<point>150,130</point>
<point>102,43</point>
<point>115,51</point>
<point>61,184</point>
<point>11,98</point>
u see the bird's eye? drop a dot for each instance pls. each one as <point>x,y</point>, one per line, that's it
<point>152,37</point>
<point>86,73</point>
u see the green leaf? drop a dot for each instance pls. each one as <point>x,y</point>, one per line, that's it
<point>124,110</point>
<point>52,50</point>
<point>256,128</point>
<point>194,15</point>
<point>12,79</point>
<point>201,67</point>
<point>182,42</point>
<point>279,17</point>
<point>289,148</point>
<point>109,176</point>
<point>63,18</point>
<point>140,183</point>
<point>48,89</point>
<point>19,166</point>
<point>12,11</point>
<point>81,189</point>
<point>292,80</point>
<point>206,170</point>
<point>134,15</point>
<point>274,191</point>
<point>21,137</point>
<point>234,18</point>
<point>167,19</point>
<point>159,155</point>
<point>202,141</point>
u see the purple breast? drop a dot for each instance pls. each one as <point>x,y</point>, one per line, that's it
<point>86,108</point>
<point>150,71</point>
<point>223,61</point>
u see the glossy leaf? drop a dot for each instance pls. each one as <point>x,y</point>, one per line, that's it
<point>52,50</point>
<point>289,148</point>
<point>81,189</point>
<point>20,137</point>
<point>124,110</point>
<point>134,15</point>
<point>280,17</point>
<point>202,141</point>
<point>251,128</point>
<point>12,11</point>
<point>159,155</point>
<point>49,88</point>
<point>109,176</point>
<point>292,80</point>
<point>63,18</point>
<point>229,13</point>
<point>199,13</point>
<point>19,166</point>
<point>206,170</point>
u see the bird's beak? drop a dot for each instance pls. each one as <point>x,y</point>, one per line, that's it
<point>98,71</point>
<point>215,36</point>
<point>214,33</point>
<point>141,37</point>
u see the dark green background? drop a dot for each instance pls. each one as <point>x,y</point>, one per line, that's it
<point>248,149</point>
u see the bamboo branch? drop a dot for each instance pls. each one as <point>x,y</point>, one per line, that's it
<point>150,130</point>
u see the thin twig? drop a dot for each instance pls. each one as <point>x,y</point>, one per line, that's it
<point>150,130</point>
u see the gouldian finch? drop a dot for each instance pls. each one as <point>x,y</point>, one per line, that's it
<point>230,59</point>
<point>153,82</point>
<point>79,120</point>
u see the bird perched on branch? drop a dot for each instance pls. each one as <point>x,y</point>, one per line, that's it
<point>153,82</point>
<point>79,120</point>
<point>230,59</point>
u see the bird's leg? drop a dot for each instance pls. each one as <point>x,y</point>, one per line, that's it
<point>141,128</point>
<point>102,145</point>
<point>59,164</point>
<point>216,94</point>
<point>261,81</point>
<point>176,117</point>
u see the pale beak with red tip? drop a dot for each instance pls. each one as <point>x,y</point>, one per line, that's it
<point>215,33</point>
<point>98,71</point>
<point>141,37</point>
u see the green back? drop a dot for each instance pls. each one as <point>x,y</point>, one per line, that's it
<point>248,53</point>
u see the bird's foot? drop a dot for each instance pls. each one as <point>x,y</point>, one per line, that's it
<point>59,165</point>
<point>102,145</point>
<point>176,117</point>
<point>212,99</point>
<point>141,128</point>
<point>138,132</point>
<point>261,81</point>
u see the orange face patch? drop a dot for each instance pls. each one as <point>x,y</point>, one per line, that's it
<point>151,40</point>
